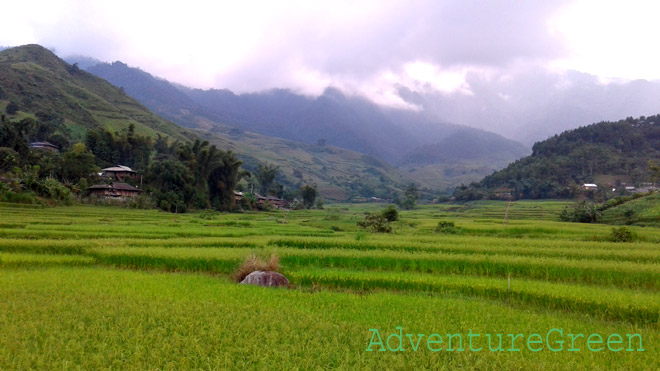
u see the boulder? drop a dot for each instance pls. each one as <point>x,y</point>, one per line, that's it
<point>266,279</point>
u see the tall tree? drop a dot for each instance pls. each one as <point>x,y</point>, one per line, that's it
<point>266,177</point>
<point>223,180</point>
<point>309,195</point>
<point>78,163</point>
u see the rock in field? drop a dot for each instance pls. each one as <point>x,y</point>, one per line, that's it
<point>266,279</point>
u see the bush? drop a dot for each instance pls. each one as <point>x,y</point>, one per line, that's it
<point>391,214</point>
<point>446,228</point>
<point>254,263</point>
<point>622,234</point>
<point>580,212</point>
<point>376,223</point>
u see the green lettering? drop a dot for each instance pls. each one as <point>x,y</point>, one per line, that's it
<point>490,345</point>
<point>374,333</point>
<point>590,341</point>
<point>470,336</point>
<point>429,342</point>
<point>400,336</point>
<point>560,342</point>
<point>419,340</point>
<point>513,341</point>
<point>530,342</point>
<point>630,348</point>
<point>610,341</point>
<point>573,337</point>
<point>460,343</point>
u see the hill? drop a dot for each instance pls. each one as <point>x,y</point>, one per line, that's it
<point>643,211</point>
<point>462,157</point>
<point>606,153</point>
<point>338,173</point>
<point>44,87</point>
<point>332,119</point>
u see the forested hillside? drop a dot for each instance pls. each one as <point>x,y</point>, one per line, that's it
<point>606,153</point>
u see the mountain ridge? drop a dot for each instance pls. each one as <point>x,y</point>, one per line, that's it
<point>332,118</point>
<point>42,85</point>
<point>609,153</point>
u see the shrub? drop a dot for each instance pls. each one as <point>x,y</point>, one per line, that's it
<point>580,212</point>
<point>622,234</point>
<point>254,263</point>
<point>376,223</point>
<point>446,228</point>
<point>391,214</point>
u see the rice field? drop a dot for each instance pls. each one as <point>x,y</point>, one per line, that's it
<point>107,287</point>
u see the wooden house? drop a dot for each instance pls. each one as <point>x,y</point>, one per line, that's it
<point>118,172</point>
<point>114,190</point>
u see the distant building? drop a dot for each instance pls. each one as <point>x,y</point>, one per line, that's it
<point>371,199</point>
<point>45,146</point>
<point>274,201</point>
<point>238,198</point>
<point>118,172</point>
<point>114,190</point>
<point>589,186</point>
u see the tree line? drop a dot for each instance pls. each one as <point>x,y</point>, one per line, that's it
<point>559,165</point>
<point>176,175</point>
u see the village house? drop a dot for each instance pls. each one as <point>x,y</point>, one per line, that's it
<point>118,172</point>
<point>114,190</point>
<point>589,186</point>
<point>238,198</point>
<point>274,201</point>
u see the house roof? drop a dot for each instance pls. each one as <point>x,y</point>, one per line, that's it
<point>118,168</point>
<point>590,185</point>
<point>43,144</point>
<point>115,186</point>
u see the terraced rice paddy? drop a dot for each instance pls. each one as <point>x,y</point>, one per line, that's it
<point>97,287</point>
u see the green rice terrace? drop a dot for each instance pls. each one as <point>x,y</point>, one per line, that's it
<point>108,287</point>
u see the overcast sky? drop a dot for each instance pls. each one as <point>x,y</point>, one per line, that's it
<point>368,47</point>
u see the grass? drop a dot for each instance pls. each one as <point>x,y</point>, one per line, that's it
<point>123,319</point>
<point>108,287</point>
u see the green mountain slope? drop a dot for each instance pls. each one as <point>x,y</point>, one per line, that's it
<point>640,211</point>
<point>462,157</point>
<point>339,174</point>
<point>606,153</point>
<point>42,84</point>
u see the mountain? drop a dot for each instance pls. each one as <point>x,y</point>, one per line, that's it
<point>468,145</point>
<point>338,173</point>
<point>610,154</point>
<point>533,104</point>
<point>43,85</point>
<point>462,157</point>
<point>46,88</point>
<point>332,119</point>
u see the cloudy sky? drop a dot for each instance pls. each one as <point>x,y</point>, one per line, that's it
<point>371,48</point>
